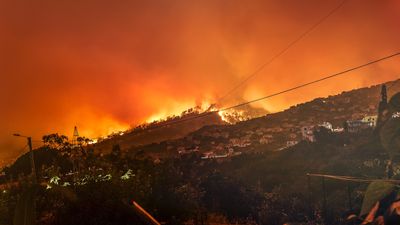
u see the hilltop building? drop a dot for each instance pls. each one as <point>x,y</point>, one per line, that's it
<point>366,122</point>
<point>354,126</point>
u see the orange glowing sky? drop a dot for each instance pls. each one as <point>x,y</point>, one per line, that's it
<point>106,65</point>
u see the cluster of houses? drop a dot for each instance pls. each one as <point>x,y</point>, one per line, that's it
<point>219,151</point>
<point>351,126</point>
<point>285,130</point>
<point>264,136</point>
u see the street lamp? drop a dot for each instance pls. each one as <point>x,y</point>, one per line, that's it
<point>33,168</point>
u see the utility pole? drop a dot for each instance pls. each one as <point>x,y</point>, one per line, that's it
<point>26,205</point>
<point>33,167</point>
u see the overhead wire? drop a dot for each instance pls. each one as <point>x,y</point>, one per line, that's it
<point>353,179</point>
<point>283,51</point>
<point>346,71</point>
<point>315,81</point>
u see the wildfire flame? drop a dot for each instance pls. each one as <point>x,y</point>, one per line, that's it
<point>223,117</point>
<point>179,111</point>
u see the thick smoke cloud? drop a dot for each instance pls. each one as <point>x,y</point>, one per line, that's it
<point>106,65</point>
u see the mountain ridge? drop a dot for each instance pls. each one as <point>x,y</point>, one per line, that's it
<point>273,131</point>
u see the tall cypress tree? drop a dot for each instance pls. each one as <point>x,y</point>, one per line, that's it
<point>383,106</point>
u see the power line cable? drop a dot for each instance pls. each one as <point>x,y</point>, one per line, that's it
<point>283,51</point>
<point>315,81</point>
<point>277,93</point>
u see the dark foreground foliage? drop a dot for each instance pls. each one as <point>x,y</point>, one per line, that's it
<point>268,188</point>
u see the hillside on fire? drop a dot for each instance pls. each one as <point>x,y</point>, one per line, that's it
<point>265,170</point>
<point>271,132</point>
<point>197,112</point>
